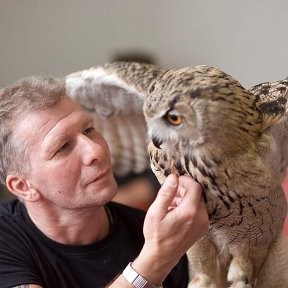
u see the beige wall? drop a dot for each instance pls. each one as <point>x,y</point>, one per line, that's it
<point>247,38</point>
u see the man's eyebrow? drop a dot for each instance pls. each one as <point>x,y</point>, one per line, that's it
<point>50,144</point>
<point>57,139</point>
<point>88,120</point>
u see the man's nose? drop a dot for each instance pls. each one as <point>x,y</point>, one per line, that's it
<point>91,151</point>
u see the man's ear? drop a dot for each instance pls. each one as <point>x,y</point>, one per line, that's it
<point>22,188</point>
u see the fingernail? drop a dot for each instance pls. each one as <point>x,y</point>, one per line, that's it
<point>171,180</point>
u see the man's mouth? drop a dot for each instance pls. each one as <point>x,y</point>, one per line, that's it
<point>100,176</point>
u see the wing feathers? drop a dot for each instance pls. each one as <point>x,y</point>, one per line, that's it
<point>114,94</point>
<point>105,94</point>
<point>272,101</point>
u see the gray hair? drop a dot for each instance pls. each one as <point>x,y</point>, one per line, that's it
<point>16,101</point>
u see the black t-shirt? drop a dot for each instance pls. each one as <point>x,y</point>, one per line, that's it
<point>28,256</point>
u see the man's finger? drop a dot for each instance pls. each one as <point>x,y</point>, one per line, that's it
<point>193,192</point>
<point>166,193</point>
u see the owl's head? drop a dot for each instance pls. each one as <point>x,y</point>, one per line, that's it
<point>197,106</point>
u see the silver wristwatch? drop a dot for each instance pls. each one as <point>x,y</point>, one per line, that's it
<point>136,279</point>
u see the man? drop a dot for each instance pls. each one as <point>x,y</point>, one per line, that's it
<point>64,231</point>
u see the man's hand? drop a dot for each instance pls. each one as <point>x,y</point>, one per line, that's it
<point>174,222</point>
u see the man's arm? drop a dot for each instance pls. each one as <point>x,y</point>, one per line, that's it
<point>174,222</point>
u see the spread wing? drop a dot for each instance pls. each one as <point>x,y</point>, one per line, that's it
<point>272,101</point>
<point>114,94</point>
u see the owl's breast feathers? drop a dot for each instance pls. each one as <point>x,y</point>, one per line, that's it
<point>240,194</point>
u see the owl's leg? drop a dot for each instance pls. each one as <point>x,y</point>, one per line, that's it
<point>241,268</point>
<point>204,265</point>
<point>240,272</point>
<point>201,280</point>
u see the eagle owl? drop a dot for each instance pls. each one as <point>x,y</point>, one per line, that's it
<point>199,121</point>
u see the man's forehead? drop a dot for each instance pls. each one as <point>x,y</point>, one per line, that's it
<point>40,121</point>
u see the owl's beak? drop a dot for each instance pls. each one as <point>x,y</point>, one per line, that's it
<point>157,143</point>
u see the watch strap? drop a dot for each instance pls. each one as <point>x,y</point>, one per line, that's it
<point>136,279</point>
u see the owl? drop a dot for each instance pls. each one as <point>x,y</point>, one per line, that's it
<point>200,121</point>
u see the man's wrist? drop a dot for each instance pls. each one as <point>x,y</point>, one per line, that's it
<point>136,279</point>
<point>153,264</point>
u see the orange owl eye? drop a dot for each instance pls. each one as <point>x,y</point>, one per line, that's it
<point>174,119</point>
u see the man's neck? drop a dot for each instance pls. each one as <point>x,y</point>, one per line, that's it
<point>71,226</point>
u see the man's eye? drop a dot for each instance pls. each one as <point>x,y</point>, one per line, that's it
<point>63,148</point>
<point>89,130</point>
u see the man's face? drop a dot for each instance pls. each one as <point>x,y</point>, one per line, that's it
<point>70,160</point>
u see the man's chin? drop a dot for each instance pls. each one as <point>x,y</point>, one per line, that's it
<point>102,195</point>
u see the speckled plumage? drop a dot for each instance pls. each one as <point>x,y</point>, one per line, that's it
<point>202,122</point>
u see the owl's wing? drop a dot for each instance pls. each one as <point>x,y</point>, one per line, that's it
<point>114,94</point>
<point>272,102</point>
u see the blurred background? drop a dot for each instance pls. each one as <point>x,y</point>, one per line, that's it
<point>247,39</point>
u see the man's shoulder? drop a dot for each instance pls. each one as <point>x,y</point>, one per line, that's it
<point>10,208</point>
<point>11,215</point>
